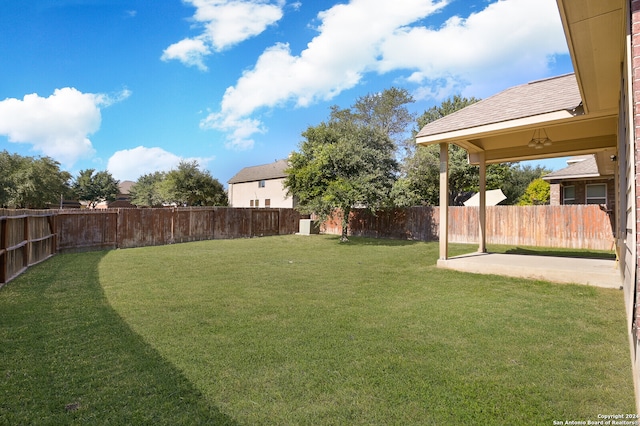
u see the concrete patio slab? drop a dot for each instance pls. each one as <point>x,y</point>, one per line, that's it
<point>594,272</point>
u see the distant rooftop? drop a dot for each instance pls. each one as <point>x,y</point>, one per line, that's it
<point>125,186</point>
<point>582,166</point>
<point>534,98</point>
<point>263,172</point>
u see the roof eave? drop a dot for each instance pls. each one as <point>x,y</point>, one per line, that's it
<point>524,123</point>
<point>232,182</point>
<point>574,177</point>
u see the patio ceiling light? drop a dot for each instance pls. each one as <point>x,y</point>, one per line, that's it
<point>539,139</point>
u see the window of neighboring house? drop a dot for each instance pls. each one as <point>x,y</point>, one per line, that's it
<point>261,184</point>
<point>257,203</point>
<point>250,203</point>
<point>267,202</point>
<point>569,195</point>
<point>597,193</point>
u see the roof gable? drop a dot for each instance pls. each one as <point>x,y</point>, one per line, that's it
<point>274,170</point>
<point>537,97</point>
<point>585,167</point>
<point>125,186</point>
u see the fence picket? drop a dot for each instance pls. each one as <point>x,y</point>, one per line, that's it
<point>28,237</point>
<point>566,226</point>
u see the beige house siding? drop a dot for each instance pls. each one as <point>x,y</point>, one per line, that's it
<point>632,238</point>
<point>261,186</point>
<point>270,194</point>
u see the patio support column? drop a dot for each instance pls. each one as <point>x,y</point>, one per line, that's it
<point>482,209</point>
<point>444,201</point>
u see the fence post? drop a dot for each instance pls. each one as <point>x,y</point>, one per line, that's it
<point>3,250</point>
<point>26,251</point>
<point>118,227</point>
<point>51,219</point>
<point>213,225</point>
<point>173,220</point>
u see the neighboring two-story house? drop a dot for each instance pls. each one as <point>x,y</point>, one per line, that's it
<point>260,186</point>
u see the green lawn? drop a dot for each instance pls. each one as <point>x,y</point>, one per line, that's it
<point>303,330</point>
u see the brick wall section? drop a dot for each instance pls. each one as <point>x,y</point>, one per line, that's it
<point>635,43</point>
<point>581,191</point>
<point>554,194</point>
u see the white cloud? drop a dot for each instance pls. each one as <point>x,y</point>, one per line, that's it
<point>130,164</point>
<point>239,130</point>
<point>346,47</point>
<point>475,55</point>
<point>225,23</point>
<point>508,41</point>
<point>189,51</point>
<point>58,126</point>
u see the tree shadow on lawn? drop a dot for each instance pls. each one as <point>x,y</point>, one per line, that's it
<point>69,358</point>
<point>373,241</point>
<point>581,254</point>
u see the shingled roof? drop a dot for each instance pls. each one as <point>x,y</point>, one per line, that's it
<point>583,166</point>
<point>534,98</point>
<point>274,170</point>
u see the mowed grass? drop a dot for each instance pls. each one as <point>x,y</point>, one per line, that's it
<point>303,330</point>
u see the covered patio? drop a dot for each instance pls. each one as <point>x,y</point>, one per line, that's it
<point>594,272</point>
<point>567,115</point>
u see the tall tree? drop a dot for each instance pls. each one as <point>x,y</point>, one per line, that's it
<point>95,188</point>
<point>10,164</point>
<point>342,164</point>
<point>448,106</point>
<point>42,184</point>
<point>420,180</point>
<point>386,111</point>
<point>27,182</point>
<point>189,186</point>
<point>519,179</point>
<point>147,190</point>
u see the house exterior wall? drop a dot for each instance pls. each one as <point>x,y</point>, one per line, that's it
<point>242,194</point>
<point>554,194</point>
<point>580,186</point>
<point>630,141</point>
<point>557,188</point>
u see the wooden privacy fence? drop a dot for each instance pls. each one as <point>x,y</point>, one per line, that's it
<point>127,228</point>
<point>28,236</point>
<point>567,226</point>
<point>25,239</point>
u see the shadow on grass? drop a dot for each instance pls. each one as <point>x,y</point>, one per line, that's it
<point>68,358</point>
<point>582,254</point>
<point>372,241</point>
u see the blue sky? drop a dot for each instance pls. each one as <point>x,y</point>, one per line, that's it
<point>135,86</point>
